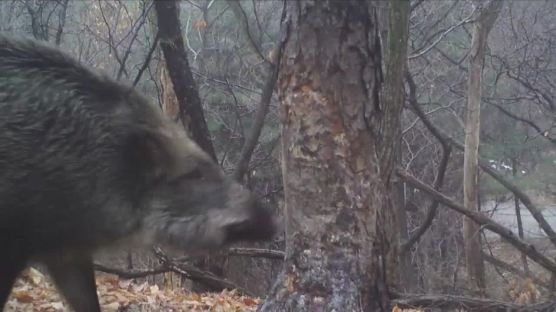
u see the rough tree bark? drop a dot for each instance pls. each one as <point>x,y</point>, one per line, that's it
<point>337,161</point>
<point>473,255</point>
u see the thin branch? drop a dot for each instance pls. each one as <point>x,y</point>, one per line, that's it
<point>443,139</point>
<point>446,150</point>
<point>416,4</point>
<point>147,60</point>
<point>268,89</point>
<point>510,268</point>
<point>61,22</point>
<point>431,212</point>
<point>482,220</point>
<point>467,20</point>
<point>528,122</point>
<point>253,138</point>
<point>193,3</point>
<point>131,274</point>
<point>226,83</point>
<point>127,53</point>
<point>173,48</point>
<point>236,111</point>
<point>257,19</point>
<point>242,16</point>
<point>164,268</point>
<point>528,85</point>
<point>257,253</point>
<point>195,53</point>
<point>191,272</point>
<point>533,209</point>
<point>111,44</point>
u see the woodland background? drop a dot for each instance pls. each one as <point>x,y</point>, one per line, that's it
<point>238,54</point>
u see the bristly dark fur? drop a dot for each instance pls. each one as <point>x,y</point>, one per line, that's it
<point>86,162</point>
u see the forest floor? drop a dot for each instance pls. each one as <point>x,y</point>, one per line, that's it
<point>34,291</point>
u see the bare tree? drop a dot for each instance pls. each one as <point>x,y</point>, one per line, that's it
<point>337,196</point>
<point>185,88</point>
<point>483,25</point>
<point>394,96</point>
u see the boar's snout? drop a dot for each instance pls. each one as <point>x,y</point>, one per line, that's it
<point>196,207</point>
<point>258,224</point>
<point>210,218</point>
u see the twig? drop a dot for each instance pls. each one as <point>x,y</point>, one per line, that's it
<point>147,60</point>
<point>508,267</point>
<point>533,209</point>
<point>446,151</point>
<point>131,274</point>
<point>242,16</point>
<point>442,35</point>
<point>262,111</point>
<point>482,220</point>
<point>542,133</point>
<point>257,253</point>
<point>191,272</point>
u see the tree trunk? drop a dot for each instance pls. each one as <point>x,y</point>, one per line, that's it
<point>473,255</point>
<point>519,220</point>
<point>336,161</point>
<point>394,96</point>
<point>185,94</point>
<point>185,88</point>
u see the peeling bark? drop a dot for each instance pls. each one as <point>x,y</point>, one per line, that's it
<point>336,165</point>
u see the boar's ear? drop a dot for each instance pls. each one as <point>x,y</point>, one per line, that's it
<point>148,153</point>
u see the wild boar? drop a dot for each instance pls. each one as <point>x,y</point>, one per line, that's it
<point>86,162</point>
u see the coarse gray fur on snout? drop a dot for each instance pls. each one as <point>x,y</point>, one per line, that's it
<point>86,162</point>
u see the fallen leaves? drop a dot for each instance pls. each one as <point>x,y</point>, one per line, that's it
<point>34,291</point>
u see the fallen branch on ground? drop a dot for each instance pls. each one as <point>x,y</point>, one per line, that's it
<point>256,253</point>
<point>445,302</point>
<point>191,272</point>
<point>131,274</point>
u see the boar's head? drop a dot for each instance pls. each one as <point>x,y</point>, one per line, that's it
<point>191,204</point>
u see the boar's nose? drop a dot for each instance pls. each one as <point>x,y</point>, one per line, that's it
<point>259,226</point>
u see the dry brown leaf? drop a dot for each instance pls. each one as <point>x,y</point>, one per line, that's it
<point>23,296</point>
<point>33,292</point>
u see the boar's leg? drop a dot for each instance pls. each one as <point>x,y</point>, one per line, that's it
<point>10,268</point>
<point>74,277</point>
